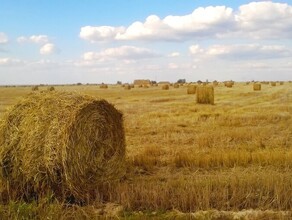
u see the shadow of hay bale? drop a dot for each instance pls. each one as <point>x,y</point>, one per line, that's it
<point>61,143</point>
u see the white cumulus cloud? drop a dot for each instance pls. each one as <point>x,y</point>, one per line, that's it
<point>174,54</point>
<point>196,49</point>
<point>123,52</point>
<point>101,33</point>
<point>48,48</point>
<point>265,19</point>
<point>249,51</point>
<point>256,20</point>
<point>3,38</point>
<point>37,39</point>
<point>10,62</point>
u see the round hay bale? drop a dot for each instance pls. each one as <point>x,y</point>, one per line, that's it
<point>257,86</point>
<point>35,88</point>
<point>205,95</point>
<point>128,87</point>
<point>229,84</point>
<point>51,88</point>
<point>103,86</point>
<point>273,83</point>
<point>61,143</point>
<point>191,89</point>
<point>176,85</point>
<point>165,87</point>
<point>215,83</point>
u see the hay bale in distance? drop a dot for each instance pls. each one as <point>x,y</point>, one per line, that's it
<point>281,83</point>
<point>35,88</point>
<point>215,83</point>
<point>165,87</point>
<point>61,143</point>
<point>176,85</point>
<point>205,95</point>
<point>127,87</point>
<point>229,84</point>
<point>273,83</point>
<point>142,82</point>
<point>103,86</point>
<point>257,86</point>
<point>51,88</point>
<point>192,89</point>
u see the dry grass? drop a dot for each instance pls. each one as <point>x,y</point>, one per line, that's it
<point>187,157</point>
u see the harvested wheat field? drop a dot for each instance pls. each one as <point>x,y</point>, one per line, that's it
<point>183,160</point>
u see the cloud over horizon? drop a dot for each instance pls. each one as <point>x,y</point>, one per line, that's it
<point>257,20</point>
<point>3,38</point>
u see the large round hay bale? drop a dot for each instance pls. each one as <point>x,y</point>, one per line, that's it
<point>205,95</point>
<point>35,88</point>
<point>61,143</point>
<point>103,86</point>
<point>257,86</point>
<point>191,89</point>
<point>127,87</point>
<point>51,88</point>
<point>229,84</point>
<point>165,87</point>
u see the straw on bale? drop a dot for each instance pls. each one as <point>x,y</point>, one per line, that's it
<point>35,88</point>
<point>142,82</point>
<point>103,86</point>
<point>176,85</point>
<point>229,84</point>
<point>205,95</point>
<point>128,87</point>
<point>61,143</point>
<point>257,86</point>
<point>51,88</point>
<point>273,83</point>
<point>192,89</point>
<point>165,87</point>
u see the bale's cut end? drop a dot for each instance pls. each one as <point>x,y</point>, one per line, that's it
<point>257,86</point>
<point>165,87</point>
<point>35,88</point>
<point>61,143</point>
<point>191,89</point>
<point>103,86</point>
<point>205,95</point>
<point>51,88</point>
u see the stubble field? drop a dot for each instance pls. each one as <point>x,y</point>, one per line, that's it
<point>188,160</point>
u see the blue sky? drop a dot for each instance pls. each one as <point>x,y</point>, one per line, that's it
<point>105,41</point>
